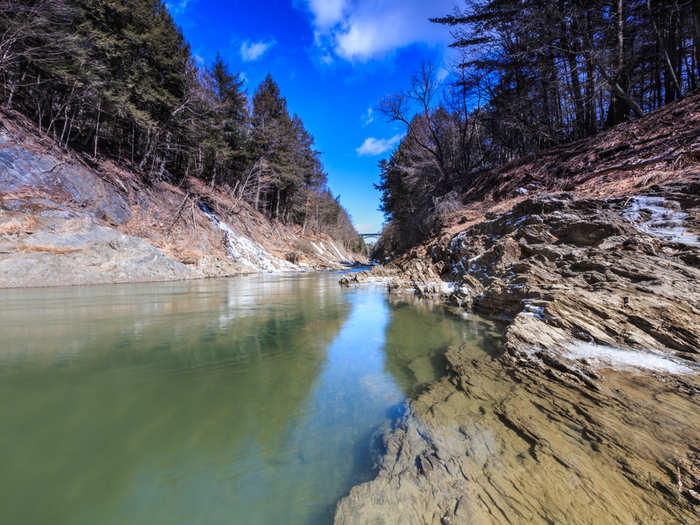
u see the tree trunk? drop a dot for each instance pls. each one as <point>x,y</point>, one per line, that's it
<point>257,196</point>
<point>579,125</point>
<point>696,41</point>
<point>665,47</point>
<point>277,205</point>
<point>97,128</point>
<point>590,103</point>
<point>620,103</point>
<point>11,95</point>
<point>70,128</point>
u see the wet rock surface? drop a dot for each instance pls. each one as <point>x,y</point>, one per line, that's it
<point>590,414</point>
<point>498,444</point>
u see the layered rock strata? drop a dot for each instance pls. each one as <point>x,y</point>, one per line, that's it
<point>590,413</point>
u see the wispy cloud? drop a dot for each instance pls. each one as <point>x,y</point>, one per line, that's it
<point>442,74</point>
<point>360,30</point>
<point>177,7</point>
<point>372,147</point>
<point>252,51</point>
<point>368,117</point>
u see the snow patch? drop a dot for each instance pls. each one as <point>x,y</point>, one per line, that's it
<point>532,309</point>
<point>337,252</point>
<point>666,219</point>
<point>617,357</point>
<point>249,253</point>
<point>319,250</point>
<point>458,242</point>
<point>448,287</point>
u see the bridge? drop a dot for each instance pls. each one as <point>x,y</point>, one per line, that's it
<point>370,238</point>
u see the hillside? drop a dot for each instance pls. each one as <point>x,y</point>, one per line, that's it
<point>67,218</point>
<point>590,255</point>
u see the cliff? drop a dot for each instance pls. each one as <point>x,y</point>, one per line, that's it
<point>67,219</point>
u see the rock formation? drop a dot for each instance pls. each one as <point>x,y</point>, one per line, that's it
<point>589,413</point>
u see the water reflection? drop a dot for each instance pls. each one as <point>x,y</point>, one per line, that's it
<point>247,400</point>
<point>419,333</point>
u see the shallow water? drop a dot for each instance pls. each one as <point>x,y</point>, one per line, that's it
<point>248,400</point>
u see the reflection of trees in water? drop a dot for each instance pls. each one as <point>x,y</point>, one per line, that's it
<point>419,333</point>
<point>204,370</point>
<point>51,326</point>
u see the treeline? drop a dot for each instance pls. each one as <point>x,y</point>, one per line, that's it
<point>533,74</point>
<point>117,78</point>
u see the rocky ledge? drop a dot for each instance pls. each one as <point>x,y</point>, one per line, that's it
<point>590,413</point>
<point>66,222</point>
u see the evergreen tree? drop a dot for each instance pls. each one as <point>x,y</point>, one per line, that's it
<point>117,79</point>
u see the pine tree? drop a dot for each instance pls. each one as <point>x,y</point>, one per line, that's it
<point>115,78</point>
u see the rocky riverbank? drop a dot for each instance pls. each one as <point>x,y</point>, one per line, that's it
<point>66,222</point>
<point>590,413</point>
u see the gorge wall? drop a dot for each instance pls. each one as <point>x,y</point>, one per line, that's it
<point>64,221</point>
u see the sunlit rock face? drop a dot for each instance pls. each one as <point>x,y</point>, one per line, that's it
<point>589,413</point>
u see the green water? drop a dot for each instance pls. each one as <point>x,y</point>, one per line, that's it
<point>241,401</point>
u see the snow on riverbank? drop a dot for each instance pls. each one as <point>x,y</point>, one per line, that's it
<point>665,219</point>
<point>626,359</point>
<point>249,253</point>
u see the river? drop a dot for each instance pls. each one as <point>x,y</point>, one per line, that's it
<point>245,400</point>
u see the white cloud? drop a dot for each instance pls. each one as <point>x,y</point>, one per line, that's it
<point>368,117</point>
<point>252,51</point>
<point>326,12</point>
<point>177,7</point>
<point>372,147</point>
<point>360,30</point>
<point>442,74</point>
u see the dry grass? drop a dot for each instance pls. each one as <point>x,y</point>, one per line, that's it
<point>16,226</point>
<point>47,248</point>
<point>624,161</point>
<point>176,251</point>
<point>186,256</point>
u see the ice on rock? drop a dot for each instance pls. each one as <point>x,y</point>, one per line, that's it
<point>625,359</point>
<point>660,217</point>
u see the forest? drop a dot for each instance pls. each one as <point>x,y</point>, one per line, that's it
<point>531,74</point>
<point>116,78</point>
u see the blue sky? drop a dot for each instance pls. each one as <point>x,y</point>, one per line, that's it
<point>334,60</point>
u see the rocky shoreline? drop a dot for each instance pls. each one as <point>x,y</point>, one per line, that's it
<point>590,412</point>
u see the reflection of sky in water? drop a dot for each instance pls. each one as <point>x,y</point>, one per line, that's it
<point>247,400</point>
